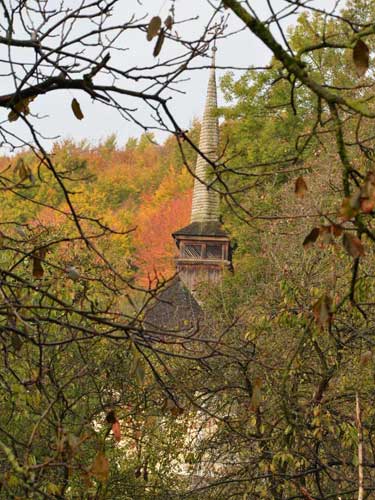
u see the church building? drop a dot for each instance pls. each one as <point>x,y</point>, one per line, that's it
<point>203,245</point>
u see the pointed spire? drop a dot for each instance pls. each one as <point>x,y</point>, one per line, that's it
<point>205,206</point>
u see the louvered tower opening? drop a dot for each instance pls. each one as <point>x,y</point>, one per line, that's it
<point>204,246</point>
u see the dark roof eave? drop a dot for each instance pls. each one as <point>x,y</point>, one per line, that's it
<point>201,229</point>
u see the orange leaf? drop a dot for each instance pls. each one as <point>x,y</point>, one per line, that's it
<point>336,230</point>
<point>116,430</point>
<point>367,206</point>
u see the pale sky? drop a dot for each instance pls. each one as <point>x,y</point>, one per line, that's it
<point>100,121</point>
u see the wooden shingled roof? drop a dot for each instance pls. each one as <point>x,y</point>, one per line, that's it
<point>174,309</point>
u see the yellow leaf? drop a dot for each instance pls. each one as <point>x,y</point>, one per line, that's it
<point>21,107</point>
<point>256,397</point>
<point>77,109</point>
<point>22,170</point>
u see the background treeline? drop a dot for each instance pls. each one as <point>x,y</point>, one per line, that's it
<point>262,403</point>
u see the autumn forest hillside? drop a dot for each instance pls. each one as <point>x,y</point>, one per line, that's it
<point>269,392</point>
<point>141,188</point>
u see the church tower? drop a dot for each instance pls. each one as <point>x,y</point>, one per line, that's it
<point>204,246</point>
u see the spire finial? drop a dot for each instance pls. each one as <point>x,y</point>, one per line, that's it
<point>205,206</point>
<point>213,57</point>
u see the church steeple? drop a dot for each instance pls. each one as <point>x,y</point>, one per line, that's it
<point>204,246</point>
<point>205,207</point>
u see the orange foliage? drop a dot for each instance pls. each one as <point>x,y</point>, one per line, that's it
<point>143,185</point>
<point>155,247</point>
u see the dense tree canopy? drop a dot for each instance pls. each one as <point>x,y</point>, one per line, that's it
<point>273,398</point>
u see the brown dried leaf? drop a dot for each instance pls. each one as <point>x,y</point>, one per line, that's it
<point>361,55</point>
<point>300,187</point>
<point>305,493</point>
<point>169,22</point>
<point>326,234</point>
<point>159,43</point>
<point>145,474</point>
<point>336,230</point>
<point>77,109</point>
<point>366,357</point>
<point>322,311</point>
<point>111,417</point>
<point>153,28</point>
<point>311,237</point>
<point>353,245</point>
<point>100,467</point>
<point>138,472</point>
<point>176,411</point>
<point>37,268</point>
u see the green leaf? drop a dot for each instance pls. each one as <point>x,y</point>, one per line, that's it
<point>136,367</point>
<point>73,273</point>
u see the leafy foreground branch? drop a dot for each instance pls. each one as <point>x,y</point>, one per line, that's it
<point>272,397</point>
